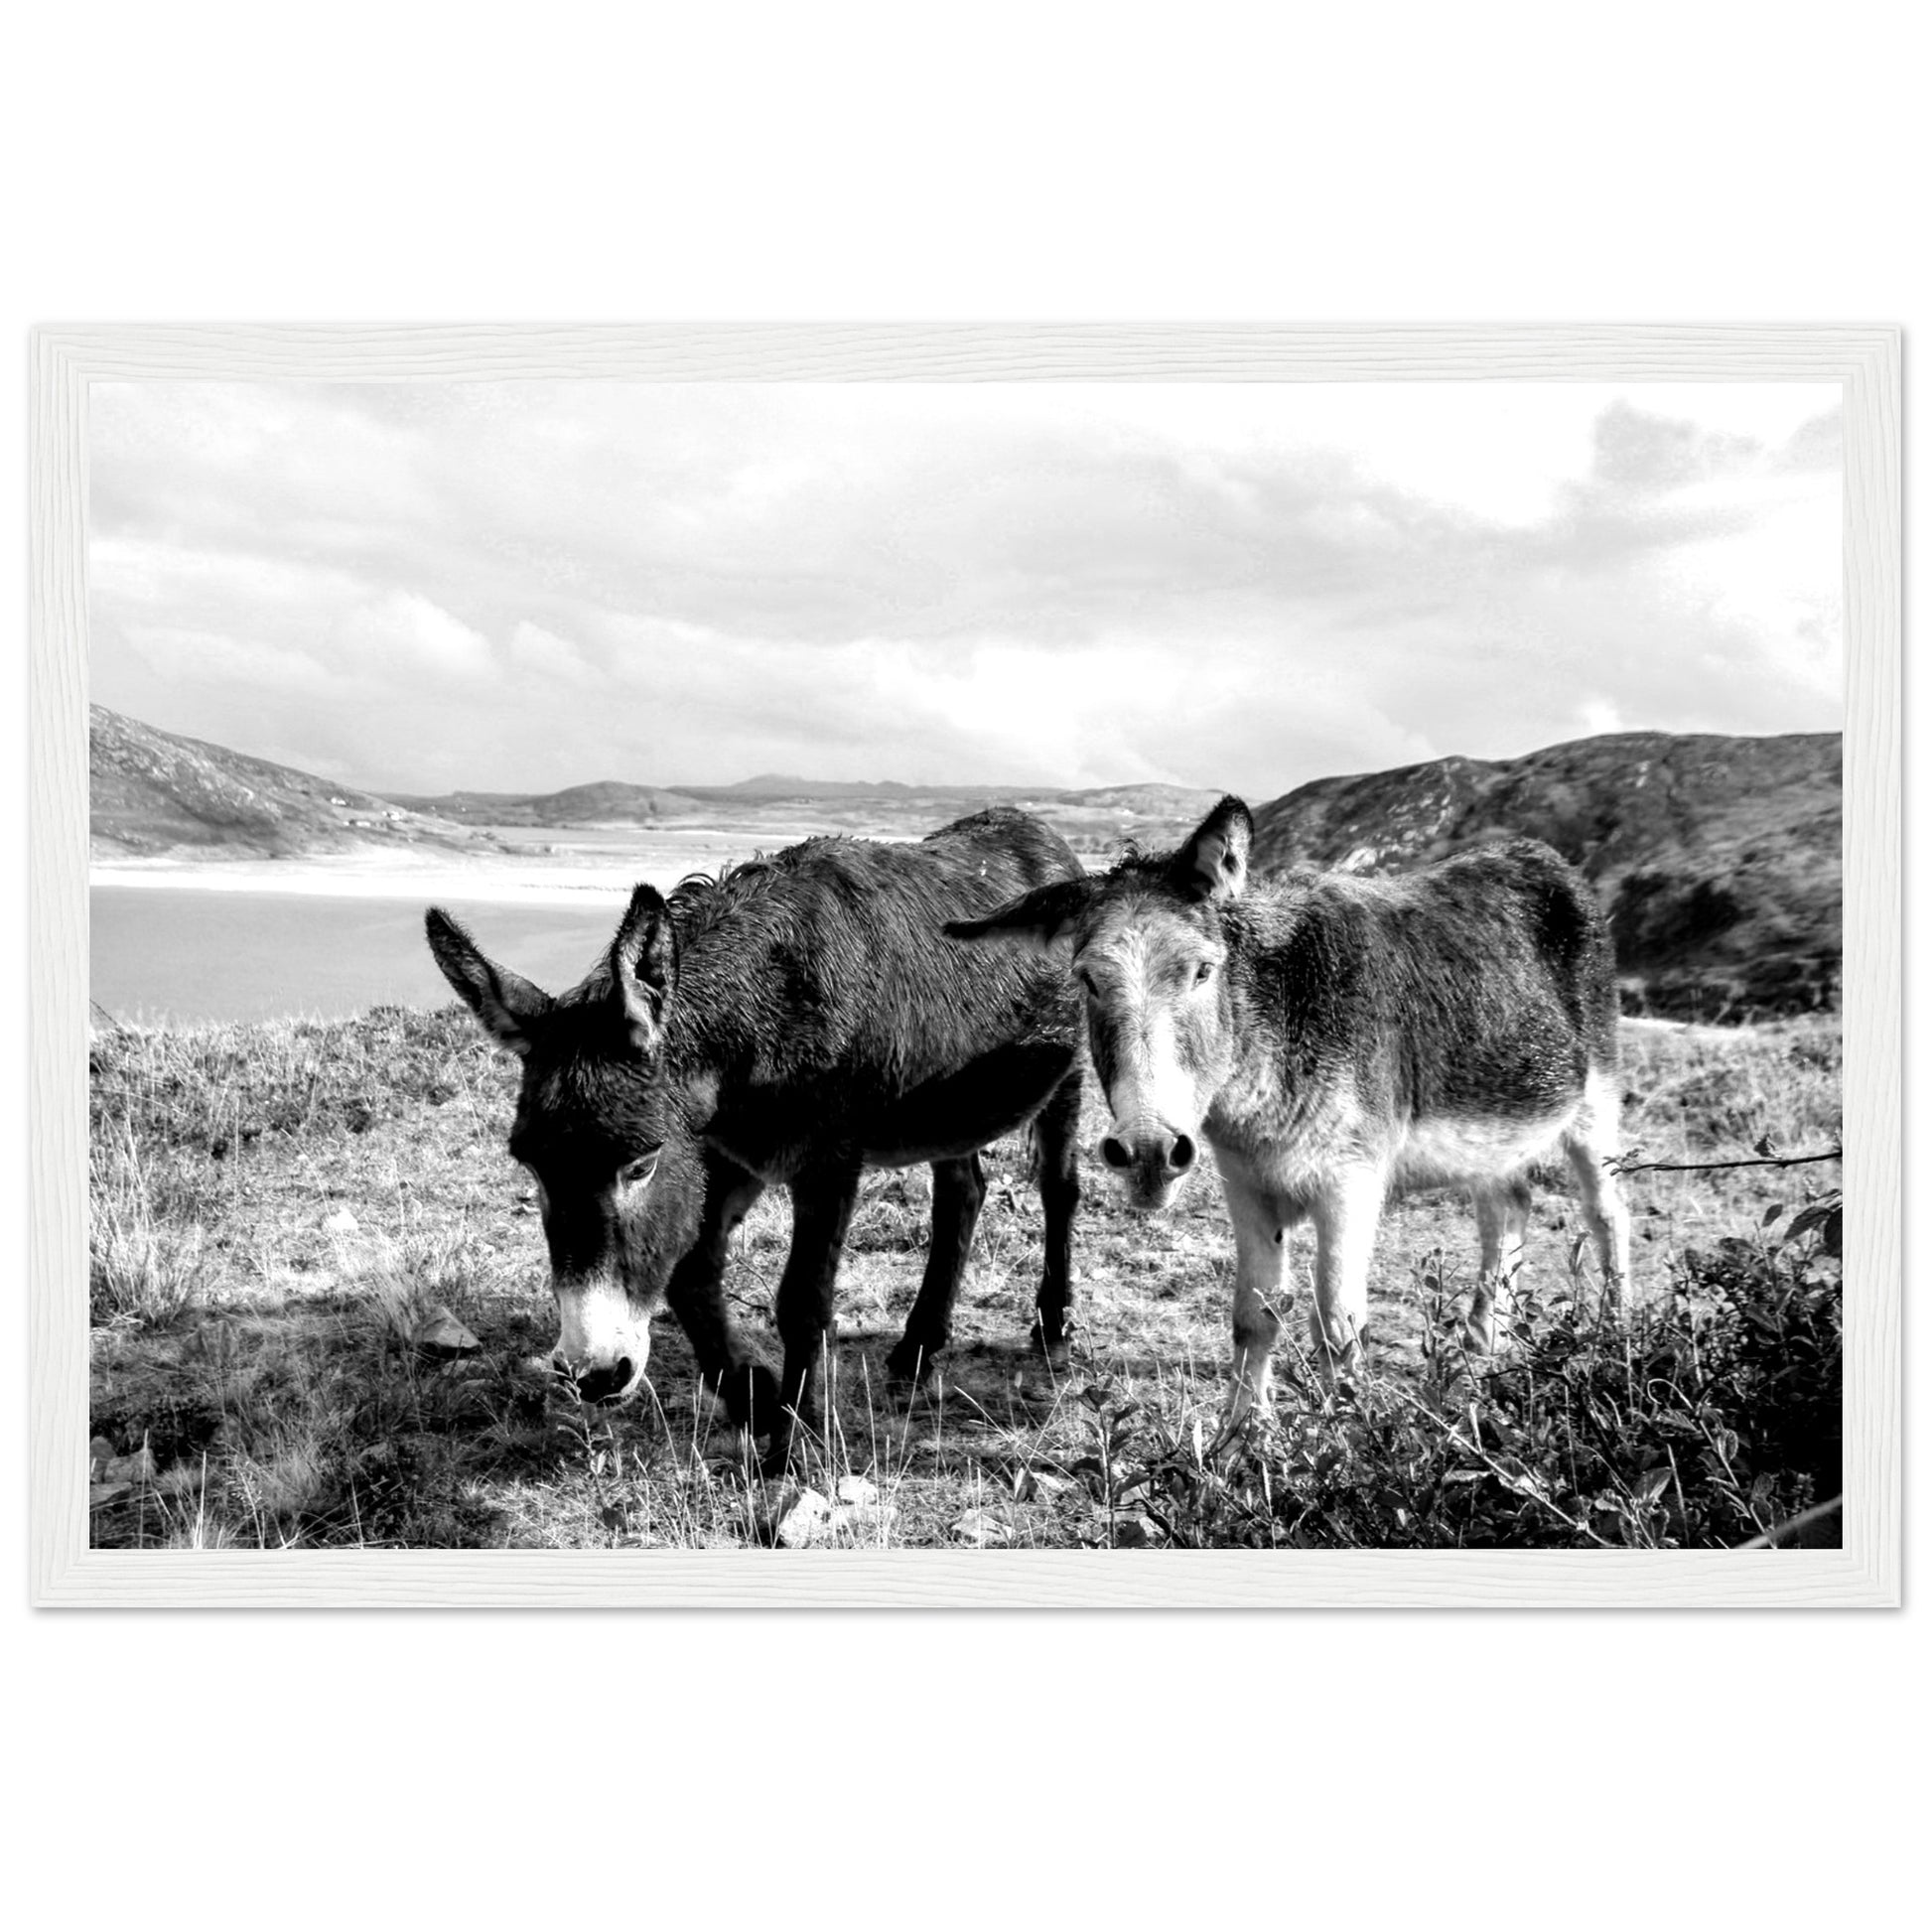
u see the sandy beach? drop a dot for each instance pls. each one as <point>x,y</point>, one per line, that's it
<point>511,883</point>
<point>576,874</point>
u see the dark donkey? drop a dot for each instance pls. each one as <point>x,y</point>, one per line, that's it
<point>795,1020</point>
<point>1338,1038</point>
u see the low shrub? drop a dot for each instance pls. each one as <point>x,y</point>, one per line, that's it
<point>1705,1418</point>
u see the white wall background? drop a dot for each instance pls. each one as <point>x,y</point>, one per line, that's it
<point>602,161</point>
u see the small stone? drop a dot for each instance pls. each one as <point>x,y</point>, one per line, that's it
<point>100,1453</point>
<point>100,1494</point>
<point>341,1221</point>
<point>805,1521</point>
<point>1134,1533</point>
<point>857,1490</point>
<point>981,1528</point>
<point>441,1336</point>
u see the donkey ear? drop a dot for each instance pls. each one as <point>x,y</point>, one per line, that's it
<point>1042,918</point>
<point>1214,863</point>
<point>508,1004</point>
<point>643,965</point>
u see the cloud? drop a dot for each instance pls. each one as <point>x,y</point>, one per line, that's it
<point>1641,453</point>
<point>1233,584</point>
<point>402,635</point>
<point>543,657</point>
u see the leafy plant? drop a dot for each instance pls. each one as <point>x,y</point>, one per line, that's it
<point>1707,1418</point>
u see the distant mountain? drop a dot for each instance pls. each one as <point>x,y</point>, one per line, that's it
<point>608,802</point>
<point>1155,799</point>
<point>774,785</point>
<point>1717,859</point>
<point>151,791</point>
<point>1151,801</point>
<point>155,792</point>
<point>783,808</point>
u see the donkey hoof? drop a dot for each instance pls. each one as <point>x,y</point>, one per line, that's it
<point>1239,1411</point>
<point>751,1393</point>
<point>788,1449</point>
<point>1056,1351</point>
<point>913,1362</point>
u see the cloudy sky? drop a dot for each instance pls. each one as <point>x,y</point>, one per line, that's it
<point>524,586</point>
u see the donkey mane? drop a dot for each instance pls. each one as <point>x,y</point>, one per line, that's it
<point>701,899</point>
<point>697,902</point>
<point>1136,861</point>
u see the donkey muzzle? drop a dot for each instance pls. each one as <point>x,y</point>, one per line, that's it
<point>612,1382</point>
<point>1150,1163</point>
<point>602,1345</point>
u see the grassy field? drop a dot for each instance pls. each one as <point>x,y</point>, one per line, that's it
<point>283,1214</point>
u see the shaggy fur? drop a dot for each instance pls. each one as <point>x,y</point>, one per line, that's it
<point>795,1022</point>
<point>1339,1038</point>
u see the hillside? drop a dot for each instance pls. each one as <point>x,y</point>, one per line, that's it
<point>1719,859</point>
<point>152,792</point>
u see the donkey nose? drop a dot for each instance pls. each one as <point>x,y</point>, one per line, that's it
<point>602,1384</point>
<point>1157,1152</point>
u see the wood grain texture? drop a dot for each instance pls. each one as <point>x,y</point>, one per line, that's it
<point>1874,984</point>
<point>67,359</point>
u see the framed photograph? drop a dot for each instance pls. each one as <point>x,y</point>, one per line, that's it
<point>966,965</point>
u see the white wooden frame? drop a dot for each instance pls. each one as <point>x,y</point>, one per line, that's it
<point>64,1570</point>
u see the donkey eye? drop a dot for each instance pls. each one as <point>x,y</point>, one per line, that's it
<point>1203,972</point>
<point>633,1173</point>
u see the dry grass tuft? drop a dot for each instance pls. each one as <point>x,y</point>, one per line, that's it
<point>139,1269</point>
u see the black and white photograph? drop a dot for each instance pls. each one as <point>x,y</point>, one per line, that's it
<point>983,966</point>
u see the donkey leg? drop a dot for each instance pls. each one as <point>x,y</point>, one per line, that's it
<point>1502,1219</point>
<point>1057,1149</point>
<point>821,1211</point>
<point>696,1296</point>
<point>1260,1262</point>
<point>1346,1222</point>
<point>1592,1161</point>
<point>1593,1147</point>
<point>958,1191</point>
